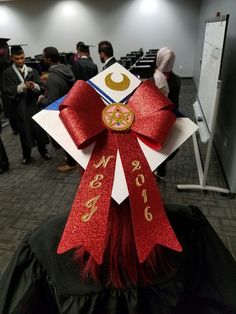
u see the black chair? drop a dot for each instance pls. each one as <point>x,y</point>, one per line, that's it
<point>142,71</point>
<point>63,58</point>
<point>69,56</point>
<point>132,57</point>
<point>34,64</point>
<point>152,51</point>
<point>150,62</point>
<point>127,62</point>
<point>39,57</point>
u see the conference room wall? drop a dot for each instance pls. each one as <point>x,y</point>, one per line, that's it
<point>225,135</point>
<point>128,24</point>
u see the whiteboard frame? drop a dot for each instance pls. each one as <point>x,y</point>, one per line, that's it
<point>201,121</point>
<point>208,110</point>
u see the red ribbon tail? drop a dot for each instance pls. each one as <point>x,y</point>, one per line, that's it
<point>150,223</point>
<point>87,221</point>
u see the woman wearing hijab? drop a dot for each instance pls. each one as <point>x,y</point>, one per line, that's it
<point>169,84</point>
<point>165,79</point>
<point>137,257</point>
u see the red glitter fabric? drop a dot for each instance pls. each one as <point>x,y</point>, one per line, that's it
<point>150,227</point>
<point>153,116</point>
<point>81,113</point>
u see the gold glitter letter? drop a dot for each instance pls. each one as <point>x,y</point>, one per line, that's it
<point>140,179</point>
<point>136,165</point>
<point>147,214</point>
<point>90,204</point>
<point>94,184</point>
<point>118,86</point>
<point>103,161</point>
<point>144,195</point>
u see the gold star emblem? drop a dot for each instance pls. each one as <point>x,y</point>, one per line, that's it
<point>118,117</point>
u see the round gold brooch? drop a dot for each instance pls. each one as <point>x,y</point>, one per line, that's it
<point>118,117</point>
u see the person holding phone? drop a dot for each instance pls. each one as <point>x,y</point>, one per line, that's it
<point>22,87</point>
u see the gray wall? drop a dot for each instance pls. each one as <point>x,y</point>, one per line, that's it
<point>128,24</point>
<point>225,136</point>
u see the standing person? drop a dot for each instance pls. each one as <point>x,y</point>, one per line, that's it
<point>75,57</point>
<point>137,257</point>
<point>59,82</point>
<point>169,83</point>
<point>105,51</point>
<point>60,77</point>
<point>84,68</point>
<point>4,163</point>
<point>22,85</point>
<point>164,77</point>
<point>4,64</point>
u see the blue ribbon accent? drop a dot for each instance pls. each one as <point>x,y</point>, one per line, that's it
<point>55,105</point>
<point>178,113</point>
<point>104,95</point>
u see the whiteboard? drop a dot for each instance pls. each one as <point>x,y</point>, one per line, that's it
<point>213,47</point>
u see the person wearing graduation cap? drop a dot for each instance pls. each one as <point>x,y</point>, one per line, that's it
<point>21,85</point>
<point>4,64</point>
<point>134,257</point>
<point>84,68</point>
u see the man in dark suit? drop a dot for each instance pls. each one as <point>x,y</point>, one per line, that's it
<point>105,51</point>
<point>84,68</point>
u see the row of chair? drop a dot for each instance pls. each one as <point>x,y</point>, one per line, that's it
<point>145,66</point>
<point>139,64</point>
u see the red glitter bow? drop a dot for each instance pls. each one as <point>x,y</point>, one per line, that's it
<point>81,113</point>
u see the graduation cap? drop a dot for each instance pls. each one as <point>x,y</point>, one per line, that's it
<point>79,44</point>
<point>17,49</point>
<point>82,47</point>
<point>3,42</point>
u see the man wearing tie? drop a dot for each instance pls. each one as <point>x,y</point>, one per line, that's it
<point>105,51</point>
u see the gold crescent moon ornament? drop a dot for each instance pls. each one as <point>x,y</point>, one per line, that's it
<point>117,86</point>
<point>118,117</point>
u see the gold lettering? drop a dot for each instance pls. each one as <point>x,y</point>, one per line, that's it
<point>103,161</point>
<point>94,184</point>
<point>91,204</point>
<point>118,86</point>
<point>136,165</point>
<point>140,179</point>
<point>147,214</point>
<point>144,195</point>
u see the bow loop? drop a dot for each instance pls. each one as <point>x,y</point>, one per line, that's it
<point>154,129</point>
<point>153,116</point>
<point>148,99</point>
<point>80,112</point>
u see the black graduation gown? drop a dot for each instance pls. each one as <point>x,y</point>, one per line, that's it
<point>174,84</point>
<point>39,281</point>
<point>84,69</point>
<point>4,163</point>
<point>25,105</point>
